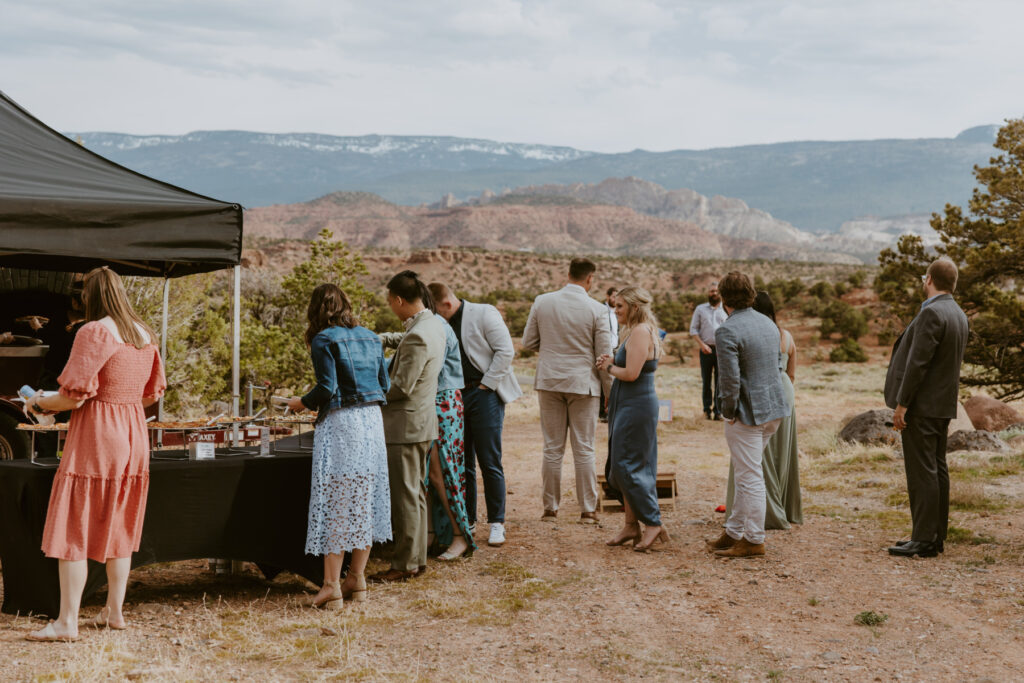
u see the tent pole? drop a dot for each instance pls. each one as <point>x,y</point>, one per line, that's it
<point>163,355</point>
<point>236,333</point>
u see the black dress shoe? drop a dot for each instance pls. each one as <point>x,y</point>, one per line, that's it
<point>939,545</point>
<point>911,548</point>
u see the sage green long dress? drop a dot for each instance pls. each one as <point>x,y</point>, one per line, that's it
<point>780,464</point>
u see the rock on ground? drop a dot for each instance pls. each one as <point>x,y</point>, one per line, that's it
<point>962,421</point>
<point>989,414</point>
<point>874,427</point>
<point>978,440</point>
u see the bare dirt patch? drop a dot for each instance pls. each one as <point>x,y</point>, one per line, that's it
<point>555,602</point>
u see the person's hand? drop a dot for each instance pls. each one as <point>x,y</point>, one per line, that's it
<point>6,338</point>
<point>296,405</point>
<point>705,349</point>
<point>899,418</point>
<point>36,322</point>
<point>604,361</point>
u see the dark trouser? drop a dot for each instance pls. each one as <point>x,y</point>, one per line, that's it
<point>485,417</point>
<point>924,456</point>
<point>709,367</point>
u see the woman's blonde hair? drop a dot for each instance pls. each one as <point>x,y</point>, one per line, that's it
<point>638,306</point>
<point>104,296</point>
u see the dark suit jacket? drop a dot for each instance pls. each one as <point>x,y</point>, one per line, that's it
<point>924,372</point>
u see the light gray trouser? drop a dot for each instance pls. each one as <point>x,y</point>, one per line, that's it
<point>746,446</point>
<point>576,414</point>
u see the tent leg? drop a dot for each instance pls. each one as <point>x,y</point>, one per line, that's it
<point>236,333</point>
<point>163,356</point>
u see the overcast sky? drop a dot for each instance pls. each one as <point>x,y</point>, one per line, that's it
<point>602,75</point>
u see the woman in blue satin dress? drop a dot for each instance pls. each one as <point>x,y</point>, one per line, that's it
<point>632,465</point>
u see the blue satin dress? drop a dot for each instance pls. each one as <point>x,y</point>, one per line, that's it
<point>632,465</point>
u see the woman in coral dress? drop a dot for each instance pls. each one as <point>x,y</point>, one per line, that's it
<point>98,499</point>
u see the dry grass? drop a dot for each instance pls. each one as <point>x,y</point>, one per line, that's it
<point>556,604</point>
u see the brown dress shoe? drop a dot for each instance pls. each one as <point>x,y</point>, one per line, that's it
<point>742,548</point>
<point>588,518</point>
<point>721,543</point>
<point>391,576</point>
<point>549,516</point>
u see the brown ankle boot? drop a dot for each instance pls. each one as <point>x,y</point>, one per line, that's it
<point>742,548</point>
<point>721,543</point>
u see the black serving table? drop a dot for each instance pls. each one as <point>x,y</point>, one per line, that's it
<point>238,506</point>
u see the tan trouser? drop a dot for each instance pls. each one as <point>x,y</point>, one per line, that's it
<point>577,414</point>
<point>406,469</point>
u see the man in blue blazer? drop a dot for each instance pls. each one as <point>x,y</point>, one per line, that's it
<point>922,385</point>
<point>753,404</point>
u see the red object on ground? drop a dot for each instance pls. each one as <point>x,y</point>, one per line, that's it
<point>720,508</point>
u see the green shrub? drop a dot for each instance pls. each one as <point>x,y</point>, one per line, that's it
<point>848,351</point>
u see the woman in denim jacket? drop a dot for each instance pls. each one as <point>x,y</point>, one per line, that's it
<point>350,500</point>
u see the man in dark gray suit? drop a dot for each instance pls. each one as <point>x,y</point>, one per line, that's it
<point>753,404</point>
<point>922,386</point>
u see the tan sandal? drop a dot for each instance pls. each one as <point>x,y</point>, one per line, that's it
<point>357,594</point>
<point>332,601</point>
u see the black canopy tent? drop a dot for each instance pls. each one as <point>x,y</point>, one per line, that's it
<point>65,208</point>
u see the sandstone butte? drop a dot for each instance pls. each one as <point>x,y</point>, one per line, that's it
<point>363,220</point>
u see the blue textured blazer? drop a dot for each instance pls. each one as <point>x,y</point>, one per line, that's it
<point>750,384</point>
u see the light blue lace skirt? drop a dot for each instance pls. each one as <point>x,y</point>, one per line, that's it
<point>349,497</point>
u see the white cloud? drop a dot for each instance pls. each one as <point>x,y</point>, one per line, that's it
<point>605,75</point>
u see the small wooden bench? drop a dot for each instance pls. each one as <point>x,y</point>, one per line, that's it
<point>664,485</point>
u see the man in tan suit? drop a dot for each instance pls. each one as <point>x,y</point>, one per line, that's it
<point>410,422</point>
<point>571,331</point>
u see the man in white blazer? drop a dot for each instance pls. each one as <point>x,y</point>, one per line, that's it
<point>487,353</point>
<point>571,331</point>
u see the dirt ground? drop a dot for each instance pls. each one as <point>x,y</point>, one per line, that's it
<point>556,603</point>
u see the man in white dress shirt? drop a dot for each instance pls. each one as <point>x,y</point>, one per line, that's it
<point>571,331</point>
<point>706,320</point>
<point>613,325</point>
<point>487,353</point>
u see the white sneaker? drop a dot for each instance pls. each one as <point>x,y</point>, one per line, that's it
<point>497,535</point>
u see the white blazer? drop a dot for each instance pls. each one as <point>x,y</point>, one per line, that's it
<point>488,346</point>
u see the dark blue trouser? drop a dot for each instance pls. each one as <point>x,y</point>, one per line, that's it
<point>485,417</point>
<point>709,367</point>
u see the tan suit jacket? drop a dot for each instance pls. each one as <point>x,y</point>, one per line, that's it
<point>410,415</point>
<point>570,330</point>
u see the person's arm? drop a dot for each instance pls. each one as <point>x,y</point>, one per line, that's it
<point>727,348</point>
<point>531,335</point>
<point>791,365</point>
<point>638,346</point>
<point>497,336</point>
<point>409,369</point>
<point>927,335</point>
<point>326,375</point>
<point>57,403</point>
<point>695,331</point>
<point>391,340</point>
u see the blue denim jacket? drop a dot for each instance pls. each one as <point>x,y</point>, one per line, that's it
<point>350,370</point>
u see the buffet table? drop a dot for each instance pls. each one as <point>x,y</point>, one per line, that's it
<point>240,507</point>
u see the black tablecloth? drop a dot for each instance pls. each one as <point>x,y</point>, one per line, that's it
<point>236,507</point>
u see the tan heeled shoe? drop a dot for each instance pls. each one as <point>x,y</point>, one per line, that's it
<point>333,601</point>
<point>626,539</point>
<point>662,537</point>
<point>358,593</point>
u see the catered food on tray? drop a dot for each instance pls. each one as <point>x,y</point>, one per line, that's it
<point>189,424</point>
<point>303,418</point>
<point>58,427</point>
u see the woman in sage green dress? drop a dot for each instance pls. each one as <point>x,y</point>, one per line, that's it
<point>779,461</point>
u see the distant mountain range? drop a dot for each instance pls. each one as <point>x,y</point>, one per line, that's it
<point>814,186</point>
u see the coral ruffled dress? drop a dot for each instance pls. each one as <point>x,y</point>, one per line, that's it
<point>98,500</point>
